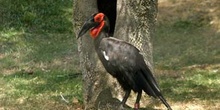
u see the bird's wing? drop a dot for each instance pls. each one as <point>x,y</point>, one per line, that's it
<point>150,86</point>
<point>119,53</point>
<point>118,58</point>
<point>124,58</point>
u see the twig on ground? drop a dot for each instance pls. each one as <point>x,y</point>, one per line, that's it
<point>63,98</point>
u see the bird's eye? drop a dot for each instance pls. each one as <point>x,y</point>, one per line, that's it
<point>99,17</point>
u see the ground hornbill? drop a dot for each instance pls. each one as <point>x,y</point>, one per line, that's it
<point>122,60</point>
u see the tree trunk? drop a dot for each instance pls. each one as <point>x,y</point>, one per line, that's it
<point>94,76</point>
<point>135,24</point>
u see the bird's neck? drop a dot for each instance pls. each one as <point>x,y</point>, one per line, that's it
<point>98,39</point>
<point>99,32</point>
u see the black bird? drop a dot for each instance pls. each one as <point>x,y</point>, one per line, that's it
<point>122,60</point>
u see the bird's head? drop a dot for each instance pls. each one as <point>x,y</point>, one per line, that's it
<point>96,23</point>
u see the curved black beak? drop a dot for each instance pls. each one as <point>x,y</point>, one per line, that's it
<point>86,26</point>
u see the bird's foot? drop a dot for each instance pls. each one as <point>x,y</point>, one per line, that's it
<point>136,106</point>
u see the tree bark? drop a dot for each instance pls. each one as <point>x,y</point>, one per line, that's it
<point>135,24</point>
<point>94,76</point>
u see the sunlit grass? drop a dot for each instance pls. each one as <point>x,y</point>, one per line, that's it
<point>39,64</point>
<point>176,47</point>
<point>23,90</point>
<point>199,87</point>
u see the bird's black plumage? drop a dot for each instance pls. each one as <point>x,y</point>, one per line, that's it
<point>124,62</point>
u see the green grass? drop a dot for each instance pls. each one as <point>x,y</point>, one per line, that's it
<point>49,16</point>
<point>177,46</point>
<point>39,63</point>
<point>40,90</point>
<point>193,84</point>
<point>186,36</point>
<point>192,88</point>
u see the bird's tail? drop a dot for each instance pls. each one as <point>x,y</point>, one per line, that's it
<point>164,102</point>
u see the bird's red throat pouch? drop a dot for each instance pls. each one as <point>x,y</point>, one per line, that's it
<point>94,32</point>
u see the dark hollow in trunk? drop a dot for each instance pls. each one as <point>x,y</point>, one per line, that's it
<point>108,7</point>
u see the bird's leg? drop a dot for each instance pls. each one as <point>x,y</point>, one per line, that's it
<point>127,93</point>
<point>137,105</point>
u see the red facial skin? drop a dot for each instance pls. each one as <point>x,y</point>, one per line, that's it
<point>94,32</point>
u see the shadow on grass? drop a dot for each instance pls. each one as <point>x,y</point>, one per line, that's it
<point>49,16</point>
<point>192,85</point>
<point>36,35</point>
<point>37,55</point>
<point>43,82</point>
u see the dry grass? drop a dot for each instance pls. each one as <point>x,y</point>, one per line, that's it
<point>186,53</point>
<point>38,62</point>
<point>207,12</point>
<point>191,88</point>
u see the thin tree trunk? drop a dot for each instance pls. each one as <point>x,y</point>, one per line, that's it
<point>135,24</point>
